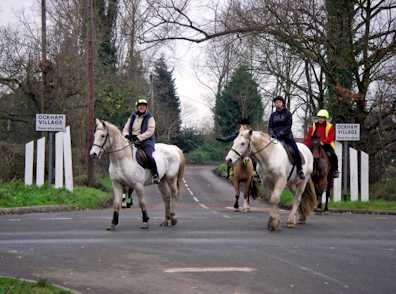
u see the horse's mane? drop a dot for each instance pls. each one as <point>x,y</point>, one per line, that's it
<point>111,127</point>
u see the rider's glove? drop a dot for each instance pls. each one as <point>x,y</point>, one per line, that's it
<point>128,137</point>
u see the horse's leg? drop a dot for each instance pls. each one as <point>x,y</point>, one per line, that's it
<point>297,192</point>
<point>139,188</point>
<point>166,197</point>
<point>246,196</point>
<point>237,192</point>
<point>129,201</point>
<point>117,191</point>
<point>173,197</point>
<point>274,219</point>
<point>328,190</point>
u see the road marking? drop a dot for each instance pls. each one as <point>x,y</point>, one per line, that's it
<point>209,269</point>
<point>55,218</point>
<point>195,199</point>
<point>14,219</point>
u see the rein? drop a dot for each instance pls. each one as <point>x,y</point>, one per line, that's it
<point>262,148</point>
<point>111,151</point>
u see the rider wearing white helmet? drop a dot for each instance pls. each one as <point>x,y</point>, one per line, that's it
<point>140,129</point>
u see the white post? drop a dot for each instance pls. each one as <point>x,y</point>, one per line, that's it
<point>364,176</point>
<point>68,160</point>
<point>337,189</point>
<point>29,151</point>
<point>353,165</point>
<point>59,159</point>
<point>40,167</point>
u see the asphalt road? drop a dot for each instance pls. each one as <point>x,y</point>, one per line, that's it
<point>211,250</point>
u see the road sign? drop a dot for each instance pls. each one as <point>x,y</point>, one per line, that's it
<point>347,132</point>
<point>50,122</point>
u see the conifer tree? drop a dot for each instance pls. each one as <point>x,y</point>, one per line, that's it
<point>166,103</point>
<point>239,99</point>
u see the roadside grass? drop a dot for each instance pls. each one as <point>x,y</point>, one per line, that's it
<point>371,205</point>
<point>16,194</point>
<point>287,198</point>
<point>16,286</point>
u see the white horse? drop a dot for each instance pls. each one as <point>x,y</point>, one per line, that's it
<point>126,171</point>
<point>276,172</point>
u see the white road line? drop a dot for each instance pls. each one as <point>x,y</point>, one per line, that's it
<point>201,204</point>
<point>55,218</point>
<point>209,269</point>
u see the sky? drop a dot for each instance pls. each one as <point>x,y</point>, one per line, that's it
<point>194,96</point>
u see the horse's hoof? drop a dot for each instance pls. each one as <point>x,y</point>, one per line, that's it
<point>144,226</point>
<point>236,210</point>
<point>111,228</point>
<point>164,224</point>
<point>273,224</point>
<point>291,225</point>
<point>173,221</point>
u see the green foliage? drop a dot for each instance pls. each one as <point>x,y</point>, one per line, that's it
<point>15,286</point>
<point>209,152</point>
<point>239,99</point>
<point>188,139</point>
<point>16,194</point>
<point>166,102</point>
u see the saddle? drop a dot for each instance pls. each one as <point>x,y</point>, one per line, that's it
<point>141,158</point>
<point>290,154</point>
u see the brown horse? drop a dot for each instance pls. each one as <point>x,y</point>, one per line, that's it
<point>242,173</point>
<point>321,175</point>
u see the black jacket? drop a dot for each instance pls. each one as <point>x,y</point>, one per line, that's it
<point>280,124</point>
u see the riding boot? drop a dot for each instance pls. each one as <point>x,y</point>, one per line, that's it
<point>228,171</point>
<point>154,171</point>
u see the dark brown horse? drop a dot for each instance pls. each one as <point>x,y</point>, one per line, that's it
<point>321,175</point>
<point>242,174</point>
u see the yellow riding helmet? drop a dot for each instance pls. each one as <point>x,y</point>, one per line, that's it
<point>141,102</point>
<point>323,113</point>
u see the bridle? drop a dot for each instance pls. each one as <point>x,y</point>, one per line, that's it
<point>249,149</point>
<point>104,143</point>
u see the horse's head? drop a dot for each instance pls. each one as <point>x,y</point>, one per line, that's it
<point>315,146</point>
<point>240,147</point>
<point>101,139</point>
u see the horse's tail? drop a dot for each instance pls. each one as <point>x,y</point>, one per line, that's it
<point>308,199</point>
<point>180,172</point>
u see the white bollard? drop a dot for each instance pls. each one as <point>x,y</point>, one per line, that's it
<point>364,176</point>
<point>68,160</point>
<point>337,189</point>
<point>40,166</point>
<point>59,159</point>
<point>353,170</point>
<point>29,151</point>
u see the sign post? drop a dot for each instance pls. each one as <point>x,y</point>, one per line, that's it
<point>346,132</point>
<point>50,123</point>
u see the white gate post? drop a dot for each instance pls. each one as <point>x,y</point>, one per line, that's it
<point>353,165</point>
<point>364,176</point>
<point>40,167</point>
<point>338,181</point>
<point>59,159</point>
<point>68,160</point>
<point>29,151</point>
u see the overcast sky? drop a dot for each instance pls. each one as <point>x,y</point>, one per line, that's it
<point>194,96</point>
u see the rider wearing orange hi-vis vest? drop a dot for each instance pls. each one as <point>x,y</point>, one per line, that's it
<point>325,130</point>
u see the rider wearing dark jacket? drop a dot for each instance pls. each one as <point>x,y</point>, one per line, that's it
<point>279,127</point>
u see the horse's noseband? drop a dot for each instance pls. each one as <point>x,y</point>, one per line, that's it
<point>104,143</point>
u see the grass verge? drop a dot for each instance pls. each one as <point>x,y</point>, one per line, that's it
<point>16,194</point>
<point>15,286</point>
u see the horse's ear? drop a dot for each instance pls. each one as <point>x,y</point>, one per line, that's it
<point>250,132</point>
<point>98,122</point>
<point>104,125</point>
